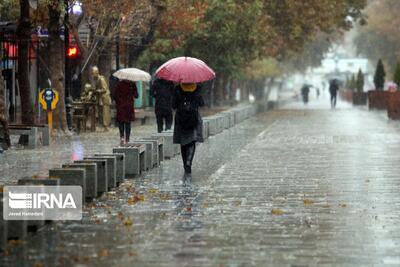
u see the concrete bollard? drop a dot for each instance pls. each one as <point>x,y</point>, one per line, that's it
<point>11,229</point>
<point>91,177</point>
<point>212,125</point>
<point>134,159</point>
<point>3,227</point>
<point>102,174</point>
<point>149,151</point>
<point>142,155</point>
<point>71,176</point>
<point>230,117</point>
<point>158,146</point>
<point>111,169</point>
<point>205,129</point>
<point>35,225</point>
<point>120,158</point>
<point>169,149</point>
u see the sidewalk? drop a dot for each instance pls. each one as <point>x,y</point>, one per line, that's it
<point>299,186</point>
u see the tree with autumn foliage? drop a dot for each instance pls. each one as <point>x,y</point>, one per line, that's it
<point>379,38</point>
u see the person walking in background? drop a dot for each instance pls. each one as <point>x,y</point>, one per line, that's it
<point>305,90</point>
<point>333,88</point>
<point>188,127</point>
<point>125,93</point>
<point>162,90</point>
<point>100,87</point>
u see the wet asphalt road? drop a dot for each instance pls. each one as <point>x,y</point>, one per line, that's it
<point>299,186</point>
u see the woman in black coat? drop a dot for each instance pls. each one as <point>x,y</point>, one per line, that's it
<point>188,128</point>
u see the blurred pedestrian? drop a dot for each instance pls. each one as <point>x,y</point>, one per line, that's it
<point>333,88</point>
<point>318,93</point>
<point>188,128</point>
<point>162,91</point>
<point>305,90</point>
<point>125,93</point>
<point>100,86</point>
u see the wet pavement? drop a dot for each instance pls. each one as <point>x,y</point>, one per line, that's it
<point>299,186</point>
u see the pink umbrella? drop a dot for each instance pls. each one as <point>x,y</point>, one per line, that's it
<point>185,70</point>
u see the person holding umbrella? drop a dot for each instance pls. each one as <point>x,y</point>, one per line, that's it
<point>187,72</point>
<point>125,92</point>
<point>188,127</point>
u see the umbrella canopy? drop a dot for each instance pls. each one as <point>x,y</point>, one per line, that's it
<point>132,74</point>
<point>185,70</point>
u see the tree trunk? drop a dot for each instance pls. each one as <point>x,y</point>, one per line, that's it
<point>104,61</point>
<point>56,66</point>
<point>24,35</point>
<point>218,94</point>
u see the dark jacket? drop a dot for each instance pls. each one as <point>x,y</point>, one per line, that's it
<point>183,136</point>
<point>333,87</point>
<point>125,93</point>
<point>162,91</point>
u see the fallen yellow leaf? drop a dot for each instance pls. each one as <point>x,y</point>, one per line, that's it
<point>128,222</point>
<point>277,212</point>
<point>132,254</point>
<point>308,202</point>
<point>135,199</point>
<point>153,190</point>
<point>104,253</point>
<point>165,196</point>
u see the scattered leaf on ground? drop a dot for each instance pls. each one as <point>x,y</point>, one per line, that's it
<point>238,203</point>
<point>153,191</point>
<point>132,254</point>
<point>38,265</point>
<point>135,199</point>
<point>165,196</point>
<point>104,253</point>
<point>128,222</point>
<point>343,205</point>
<point>308,202</point>
<point>277,212</point>
<point>189,209</point>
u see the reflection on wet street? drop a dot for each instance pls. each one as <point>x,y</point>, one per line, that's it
<point>291,187</point>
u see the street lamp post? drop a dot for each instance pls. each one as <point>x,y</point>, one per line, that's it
<point>68,99</point>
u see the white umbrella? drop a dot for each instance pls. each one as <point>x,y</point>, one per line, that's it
<point>132,74</point>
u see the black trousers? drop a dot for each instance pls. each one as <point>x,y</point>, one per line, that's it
<point>162,116</point>
<point>333,100</point>
<point>187,153</point>
<point>124,130</point>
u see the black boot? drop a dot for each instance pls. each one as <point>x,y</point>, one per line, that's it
<point>184,157</point>
<point>190,150</point>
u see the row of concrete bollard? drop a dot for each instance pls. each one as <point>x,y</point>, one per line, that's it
<point>101,173</point>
